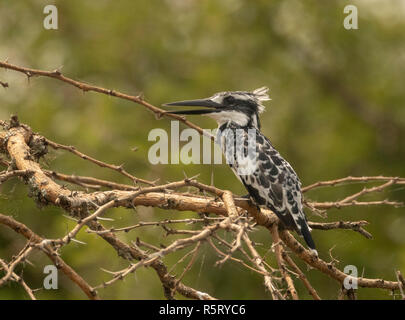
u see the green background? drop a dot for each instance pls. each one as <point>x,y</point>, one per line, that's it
<point>337,109</point>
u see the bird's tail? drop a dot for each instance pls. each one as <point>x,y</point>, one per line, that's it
<point>306,233</point>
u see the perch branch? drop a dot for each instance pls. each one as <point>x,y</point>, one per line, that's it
<point>16,142</point>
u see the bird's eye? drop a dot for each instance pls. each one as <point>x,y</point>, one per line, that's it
<point>230,100</point>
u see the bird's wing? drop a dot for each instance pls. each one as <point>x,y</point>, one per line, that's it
<point>285,196</point>
<point>272,184</point>
<point>284,192</point>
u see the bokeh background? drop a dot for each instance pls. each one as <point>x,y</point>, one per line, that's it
<point>337,109</point>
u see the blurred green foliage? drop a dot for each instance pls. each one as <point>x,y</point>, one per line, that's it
<point>337,109</point>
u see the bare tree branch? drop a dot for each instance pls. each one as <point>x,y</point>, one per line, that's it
<point>238,217</point>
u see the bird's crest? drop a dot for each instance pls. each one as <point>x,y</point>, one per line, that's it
<point>261,94</point>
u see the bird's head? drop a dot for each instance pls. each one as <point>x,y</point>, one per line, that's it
<point>240,107</point>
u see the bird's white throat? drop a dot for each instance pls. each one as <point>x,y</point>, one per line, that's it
<point>226,116</point>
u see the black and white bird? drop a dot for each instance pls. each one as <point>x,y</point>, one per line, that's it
<point>270,180</point>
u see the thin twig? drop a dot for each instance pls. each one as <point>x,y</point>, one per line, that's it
<point>279,257</point>
<point>351,179</point>
<point>20,280</point>
<point>353,225</point>
<point>119,169</point>
<point>51,253</point>
<point>56,74</point>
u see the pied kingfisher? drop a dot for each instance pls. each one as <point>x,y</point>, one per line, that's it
<point>272,183</point>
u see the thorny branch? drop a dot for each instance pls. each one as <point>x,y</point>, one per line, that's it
<point>223,211</point>
<point>57,74</point>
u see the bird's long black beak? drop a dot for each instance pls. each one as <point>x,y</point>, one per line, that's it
<point>212,105</point>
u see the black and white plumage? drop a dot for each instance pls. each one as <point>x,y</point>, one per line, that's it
<point>270,180</point>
